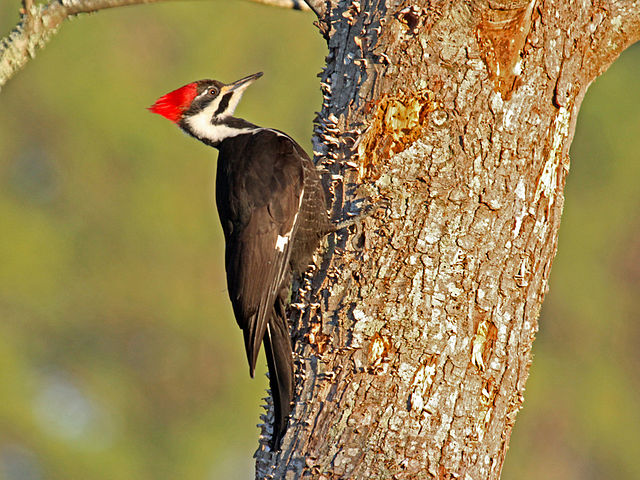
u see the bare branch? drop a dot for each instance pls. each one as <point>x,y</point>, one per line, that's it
<point>294,4</point>
<point>319,7</point>
<point>38,23</point>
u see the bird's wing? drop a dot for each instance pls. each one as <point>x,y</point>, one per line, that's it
<point>259,247</point>
<point>257,266</point>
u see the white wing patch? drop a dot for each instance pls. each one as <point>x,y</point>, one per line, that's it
<point>282,242</point>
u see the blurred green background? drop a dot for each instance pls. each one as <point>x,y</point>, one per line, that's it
<point>119,358</point>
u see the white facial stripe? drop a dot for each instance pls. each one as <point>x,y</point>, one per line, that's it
<point>202,127</point>
<point>233,103</point>
<point>213,106</point>
<point>204,92</point>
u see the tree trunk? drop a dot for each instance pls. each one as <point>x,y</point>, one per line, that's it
<point>414,337</point>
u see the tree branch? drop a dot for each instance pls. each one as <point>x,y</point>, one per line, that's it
<point>318,7</point>
<point>294,4</point>
<point>38,23</point>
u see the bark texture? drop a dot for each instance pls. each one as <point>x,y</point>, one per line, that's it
<point>414,338</point>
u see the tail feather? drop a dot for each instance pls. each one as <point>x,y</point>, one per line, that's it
<point>277,346</point>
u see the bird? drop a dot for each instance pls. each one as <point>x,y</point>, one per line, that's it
<point>273,210</point>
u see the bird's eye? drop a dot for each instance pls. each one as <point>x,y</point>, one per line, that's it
<point>213,91</point>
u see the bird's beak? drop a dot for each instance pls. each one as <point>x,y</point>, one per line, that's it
<point>243,82</point>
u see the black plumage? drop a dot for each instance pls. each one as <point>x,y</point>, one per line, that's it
<point>273,211</point>
<point>267,188</point>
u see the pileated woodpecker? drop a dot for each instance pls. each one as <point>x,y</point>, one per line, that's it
<point>273,211</point>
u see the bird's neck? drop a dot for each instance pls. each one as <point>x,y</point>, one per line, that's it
<point>214,131</point>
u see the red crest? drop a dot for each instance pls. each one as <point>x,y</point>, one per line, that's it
<point>172,105</point>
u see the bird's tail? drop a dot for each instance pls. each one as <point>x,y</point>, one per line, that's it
<point>277,346</point>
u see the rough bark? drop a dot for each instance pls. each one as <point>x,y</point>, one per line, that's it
<point>414,338</point>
